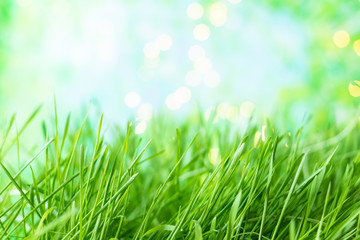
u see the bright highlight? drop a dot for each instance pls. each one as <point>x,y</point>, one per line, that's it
<point>354,89</point>
<point>218,14</point>
<point>141,127</point>
<point>145,111</point>
<point>151,50</point>
<point>195,11</point>
<point>174,101</point>
<point>132,99</point>
<point>201,32</point>
<point>357,47</point>
<point>164,42</point>
<point>341,39</point>
<point>212,79</point>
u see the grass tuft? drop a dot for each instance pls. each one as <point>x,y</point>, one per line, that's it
<point>194,180</point>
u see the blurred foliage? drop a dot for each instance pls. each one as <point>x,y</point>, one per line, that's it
<point>325,71</point>
<point>5,18</point>
<point>331,69</point>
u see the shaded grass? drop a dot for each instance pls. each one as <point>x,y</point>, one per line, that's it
<point>89,183</point>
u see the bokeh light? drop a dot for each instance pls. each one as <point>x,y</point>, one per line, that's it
<point>357,47</point>
<point>151,50</point>
<point>132,99</point>
<point>341,38</point>
<point>203,65</point>
<point>184,94</point>
<point>218,14</point>
<point>175,101</point>
<point>164,42</point>
<point>275,56</point>
<point>201,32</point>
<point>214,155</point>
<point>354,89</point>
<point>145,111</point>
<point>212,79</point>
<point>195,11</point>
<point>141,127</point>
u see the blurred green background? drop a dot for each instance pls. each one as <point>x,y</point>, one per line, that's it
<point>137,58</point>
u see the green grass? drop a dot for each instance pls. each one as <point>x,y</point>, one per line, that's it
<point>100,181</point>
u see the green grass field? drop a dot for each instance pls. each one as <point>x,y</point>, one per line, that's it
<point>193,180</point>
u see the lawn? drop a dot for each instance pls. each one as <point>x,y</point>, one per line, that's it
<point>196,178</point>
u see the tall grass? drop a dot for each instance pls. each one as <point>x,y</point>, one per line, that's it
<point>194,180</point>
